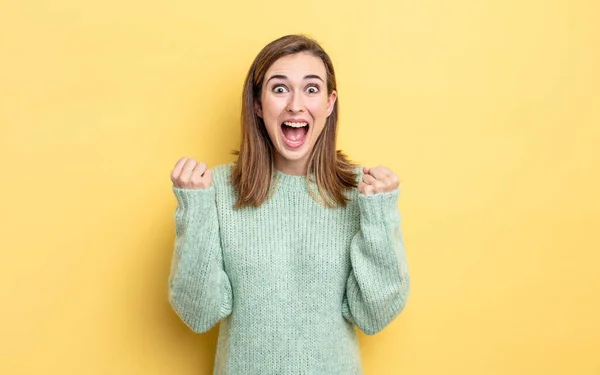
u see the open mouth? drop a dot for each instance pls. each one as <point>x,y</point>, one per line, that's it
<point>294,133</point>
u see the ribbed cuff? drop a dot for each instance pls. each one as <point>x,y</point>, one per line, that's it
<point>380,207</point>
<point>198,199</point>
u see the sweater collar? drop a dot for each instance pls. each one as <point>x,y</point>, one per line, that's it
<point>292,182</point>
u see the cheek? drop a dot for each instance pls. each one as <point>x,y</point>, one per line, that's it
<point>318,109</point>
<point>272,107</point>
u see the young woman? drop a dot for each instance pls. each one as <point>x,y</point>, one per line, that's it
<point>292,245</point>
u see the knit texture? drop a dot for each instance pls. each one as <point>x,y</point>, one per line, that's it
<point>288,280</point>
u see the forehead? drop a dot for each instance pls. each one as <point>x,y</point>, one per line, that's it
<point>298,65</point>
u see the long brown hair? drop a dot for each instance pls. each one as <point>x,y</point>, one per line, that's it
<point>252,174</point>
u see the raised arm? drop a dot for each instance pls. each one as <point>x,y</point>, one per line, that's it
<point>199,288</point>
<point>378,285</point>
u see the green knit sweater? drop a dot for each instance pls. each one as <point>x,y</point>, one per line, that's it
<point>288,280</point>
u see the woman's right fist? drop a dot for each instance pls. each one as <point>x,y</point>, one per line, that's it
<point>189,174</point>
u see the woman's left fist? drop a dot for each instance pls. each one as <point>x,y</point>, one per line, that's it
<point>378,180</point>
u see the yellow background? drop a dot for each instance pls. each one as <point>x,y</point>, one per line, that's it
<point>489,111</point>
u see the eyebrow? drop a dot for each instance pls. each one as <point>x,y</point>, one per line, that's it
<point>281,76</point>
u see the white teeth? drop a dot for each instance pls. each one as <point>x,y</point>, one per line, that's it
<point>296,124</point>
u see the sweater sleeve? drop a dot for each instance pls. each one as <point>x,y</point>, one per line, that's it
<point>378,285</point>
<point>199,289</point>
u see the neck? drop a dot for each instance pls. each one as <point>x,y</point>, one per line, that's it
<point>291,167</point>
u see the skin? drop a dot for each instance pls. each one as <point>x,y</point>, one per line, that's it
<point>294,87</point>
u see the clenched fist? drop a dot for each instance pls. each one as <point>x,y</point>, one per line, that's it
<point>378,180</point>
<point>189,174</point>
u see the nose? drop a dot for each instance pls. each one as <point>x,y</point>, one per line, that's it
<point>295,103</point>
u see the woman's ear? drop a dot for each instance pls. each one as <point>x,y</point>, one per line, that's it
<point>258,109</point>
<point>331,102</point>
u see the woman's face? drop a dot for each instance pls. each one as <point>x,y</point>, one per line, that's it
<point>295,106</point>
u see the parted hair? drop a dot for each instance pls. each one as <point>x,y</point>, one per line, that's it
<point>252,175</point>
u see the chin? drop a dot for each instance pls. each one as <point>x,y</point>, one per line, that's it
<point>294,155</point>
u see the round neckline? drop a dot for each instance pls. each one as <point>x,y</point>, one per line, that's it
<point>289,181</point>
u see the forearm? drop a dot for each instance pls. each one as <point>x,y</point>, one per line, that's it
<point>199,289</point>
<point>378,285</point>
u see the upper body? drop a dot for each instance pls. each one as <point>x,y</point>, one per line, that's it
<point>289,278</point>
<point>292,245</point>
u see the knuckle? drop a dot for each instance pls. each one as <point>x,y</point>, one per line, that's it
<point>183,179</point>
<point>196,179</point>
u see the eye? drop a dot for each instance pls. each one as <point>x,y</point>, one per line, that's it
<point>279,89</point>
<point>313,89</point>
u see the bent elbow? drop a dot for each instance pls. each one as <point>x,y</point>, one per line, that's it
<point>189,315</point>
<point>397,304</point>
